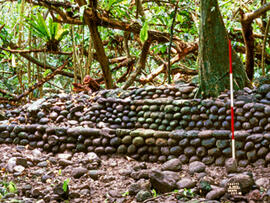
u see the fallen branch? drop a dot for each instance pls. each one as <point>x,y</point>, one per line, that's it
<point>160,69</point>
<point>40,64</point>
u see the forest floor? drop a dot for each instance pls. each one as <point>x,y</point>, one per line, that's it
<point>39,177</point>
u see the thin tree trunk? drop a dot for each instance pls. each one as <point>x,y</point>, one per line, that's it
<point>75,68</point>
<point>89,57</point>
<point>170,43</point>
<point>247,32</point>
<point>101,56</point>
<point>140,64</point>
<point>264,45</point>
<point>29,65</point>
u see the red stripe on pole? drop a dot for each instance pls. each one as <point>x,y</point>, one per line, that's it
<point>232,122</point>
<point>230,55</point>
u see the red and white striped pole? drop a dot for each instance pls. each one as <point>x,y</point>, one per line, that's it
<point>231,89</point>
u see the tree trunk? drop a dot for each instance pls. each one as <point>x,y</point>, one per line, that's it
<point>214,54</point>
<point>101,56</point>
<point>249,43</point>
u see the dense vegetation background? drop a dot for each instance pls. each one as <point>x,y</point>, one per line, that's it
<point>48,45</point>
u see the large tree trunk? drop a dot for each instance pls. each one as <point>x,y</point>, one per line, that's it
<point>214,54</point>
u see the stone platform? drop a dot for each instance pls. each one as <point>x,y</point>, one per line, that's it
<point>148,124</point>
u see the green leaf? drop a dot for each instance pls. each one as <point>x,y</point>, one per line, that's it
<point>46,72</point>
<point>52,28</point>
<point>60,34</point>
<point>154,192</point>
<point>43,26</point>
<point>144,32</point>
<point>38,25</point>
<point>12,187</point>
<point>125,194</point>
<point>65,185</point>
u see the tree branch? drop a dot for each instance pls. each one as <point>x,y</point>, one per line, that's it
<point>140,64</point>
<point>191,48</point>
<point>257,13</point>
<point>35,51</point>
<point>38,63</point>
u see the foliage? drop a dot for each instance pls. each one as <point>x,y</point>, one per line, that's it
<point>7,187</point>
<point>34,27</point>
<point>50,32</point>
<point>154,193</point>
<point>144,32</point>
<point>124,194</point>
<point>65,184</point>
<point>188,193</point>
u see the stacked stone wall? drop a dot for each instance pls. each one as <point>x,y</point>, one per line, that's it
<point>209,146</point>
<point>148,124</point>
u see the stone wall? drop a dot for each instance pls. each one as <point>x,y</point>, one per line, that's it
<point>148,124</point>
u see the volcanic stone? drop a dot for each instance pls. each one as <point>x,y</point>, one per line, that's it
<point>131,149</point>
<point>172,165</point>
<point>78,172</point>
<point>161,142</point>
<point>208,160</point>
<point>143,195</point>
<point>185,183</point>
<point>176,150</point>
<point>162,183</point>
<point>231,165</point>
<point>246,182</point>
<point>251,155</point>
<point>221,144</point>
<point>215,193</point>
<point>115,141</point>
<point>214,152</point>
<point>138,141</point>
<point>196,167</point>
<point>209,142</point>
<point>189,151</point>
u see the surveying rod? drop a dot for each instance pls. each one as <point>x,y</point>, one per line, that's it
<point>232,111</point>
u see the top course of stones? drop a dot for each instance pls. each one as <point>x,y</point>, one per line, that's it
<point>158,108</point>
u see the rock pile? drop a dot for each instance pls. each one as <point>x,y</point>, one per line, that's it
<point>39,177</point>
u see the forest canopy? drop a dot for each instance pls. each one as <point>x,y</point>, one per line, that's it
<point>48,45</point>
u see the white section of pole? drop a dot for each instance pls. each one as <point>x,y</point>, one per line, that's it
<point>231,88</point>
<point>233,148</point>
